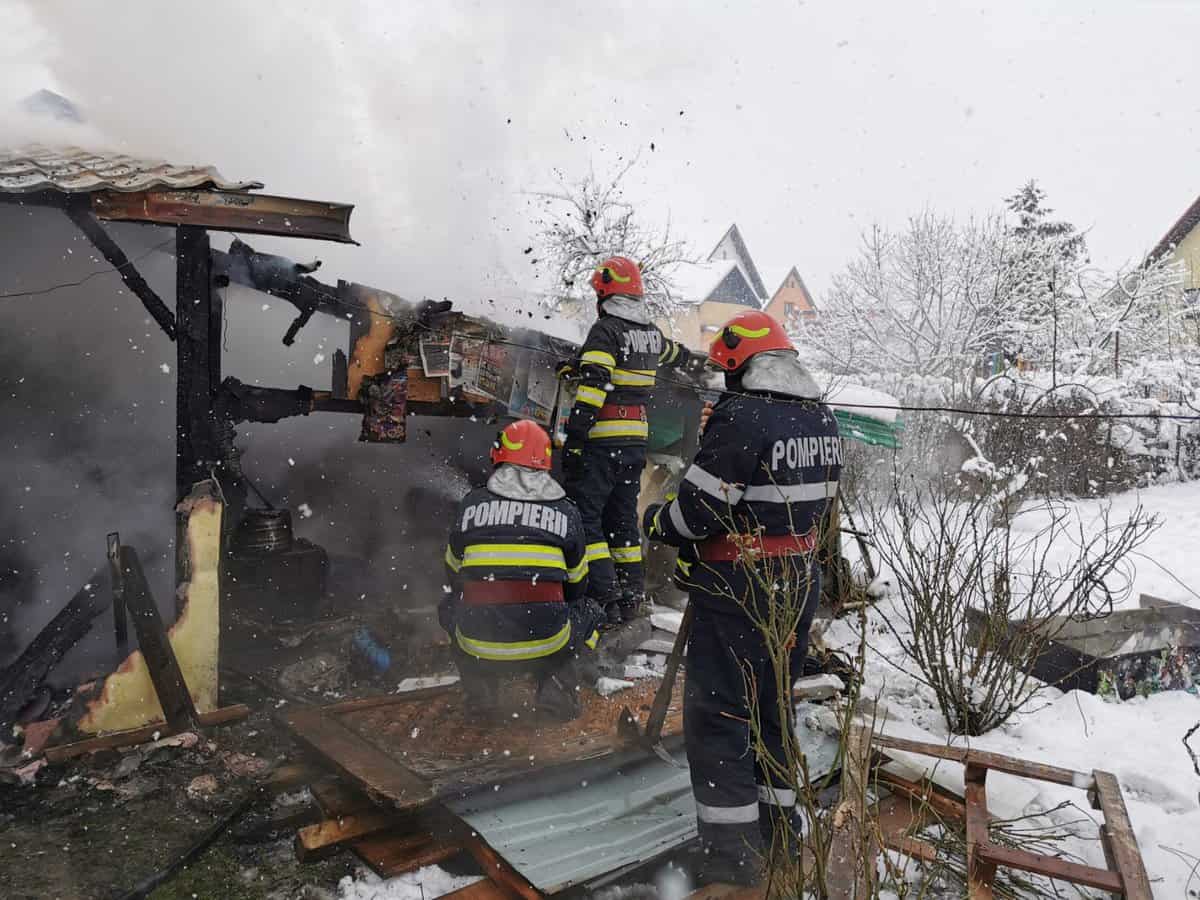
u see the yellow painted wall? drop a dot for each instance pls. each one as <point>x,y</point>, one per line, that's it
<point>697,326</point>
<point>128,699</point>
<point>1188,251</point>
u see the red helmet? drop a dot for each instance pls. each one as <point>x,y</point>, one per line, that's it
<point>617,275</point>
<point>522,443</point>
<point>743,336</point>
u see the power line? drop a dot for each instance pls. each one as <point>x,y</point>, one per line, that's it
<point>66,284</point>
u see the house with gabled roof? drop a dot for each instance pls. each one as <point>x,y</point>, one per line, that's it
<point>1181,243</point>
<point>792,301</point>
<point>726,283</point>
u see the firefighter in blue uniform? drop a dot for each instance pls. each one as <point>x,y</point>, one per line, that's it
<point>518,569</point>
<point>605,449</point>
<point>756,495</point>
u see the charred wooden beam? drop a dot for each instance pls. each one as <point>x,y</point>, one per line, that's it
<point>230,211</point>
<point>115,256</point>
<point>198,362</point>
<point>280,277</point>
<point>167,677</point>
<point>117,580</point>
<point>20,680</point>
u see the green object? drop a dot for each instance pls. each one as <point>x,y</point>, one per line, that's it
<point>869,431</point>
<point>666,429</point>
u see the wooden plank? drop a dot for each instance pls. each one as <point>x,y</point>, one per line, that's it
<point>155,646</point>
<point>197,360</point>
<point>312,841</point>
<point>897,816</point>
<point>926,793</point>
<point>496,868</point>
<point>336,798</point>
<point>78,212</point>
<point>222,716</point>
<point>480,890</point>
<point>352,706</point>
<point>117,583</point>
<point>850,865</point>
<point>980,871</point>
<point>1121,841</point>
<point>1052,867</point>
<point>229,211</point>
<point>391,853</point>
<point>987,760</point>
<point>358,760</point>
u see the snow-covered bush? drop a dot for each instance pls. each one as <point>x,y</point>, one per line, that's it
<point>981,593</point>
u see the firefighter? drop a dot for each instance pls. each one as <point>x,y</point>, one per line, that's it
<point>606,434</point>
<point>518,570</point>
<point>750,505</point>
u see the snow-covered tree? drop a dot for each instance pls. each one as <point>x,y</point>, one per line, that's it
<point>581,222</point>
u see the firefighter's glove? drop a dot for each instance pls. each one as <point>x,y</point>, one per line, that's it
<point>650,526</point>
<point>695,363</point>
<point>572,460</point>
<point>564,368</point>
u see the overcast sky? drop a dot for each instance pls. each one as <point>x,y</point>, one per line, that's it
<point>802,121</point>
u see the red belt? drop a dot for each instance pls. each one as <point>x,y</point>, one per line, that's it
<point>617,411</point>
<point>487,593</point>
<point>729,547</point>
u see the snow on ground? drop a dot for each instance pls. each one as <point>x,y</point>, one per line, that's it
<point>1138,740</point>
<point>1168,564</point>
<point>423,884</point>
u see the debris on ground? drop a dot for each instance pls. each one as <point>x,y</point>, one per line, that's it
<point>606,687</point>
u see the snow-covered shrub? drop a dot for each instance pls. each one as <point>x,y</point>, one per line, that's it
<point>984,587</point>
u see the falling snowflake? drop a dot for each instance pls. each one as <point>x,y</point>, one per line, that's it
<point>305,511</point>
<point>318,359</point>
<point>165,369</point>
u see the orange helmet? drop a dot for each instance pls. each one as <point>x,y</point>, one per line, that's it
<point>617,275</point>
<point>522,443</point>
<point>743,336</point>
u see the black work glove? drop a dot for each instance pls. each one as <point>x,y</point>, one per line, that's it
<point>565,368</point>
<point>695,363</point>
<point>572,459</point>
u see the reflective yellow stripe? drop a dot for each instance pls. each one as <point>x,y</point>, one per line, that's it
<point>539,555</point>
<point>598,550</point>
<point>514,650</point>
<point>590,395</point>
<point>684,567</point>
<point>593,640</point>
<point>510,445</point>
<point>627,554</point>
<point>452,561</point>
<point>598,358</point>
<point>749,332</point>
<point>618,428</point>
<point>633,377</point>
<point>669,353</point>
<point>578,573</point>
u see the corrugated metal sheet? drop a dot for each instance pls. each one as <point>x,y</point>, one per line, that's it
<point>611,815</point>
<point>74,170</point>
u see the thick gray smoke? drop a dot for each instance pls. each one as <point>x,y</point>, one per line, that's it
<point>88,412</point>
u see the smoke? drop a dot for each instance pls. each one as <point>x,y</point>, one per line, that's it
<point>88,418</point>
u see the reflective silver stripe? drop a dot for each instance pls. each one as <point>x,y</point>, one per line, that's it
<point>727,815</point>
<point>776,796</point>
<point>713,485</point>
<point>680,525</point>
<point>627,554</point>
<point>791,493</point>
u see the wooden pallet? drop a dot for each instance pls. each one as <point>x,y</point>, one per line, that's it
<point>1126,873</point>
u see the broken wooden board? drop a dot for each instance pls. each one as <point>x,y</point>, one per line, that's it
<point>413,748</point>
<point>63,752</point>
<point>128,699</point>
<point>326,836</point>
<point>394,852</point>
